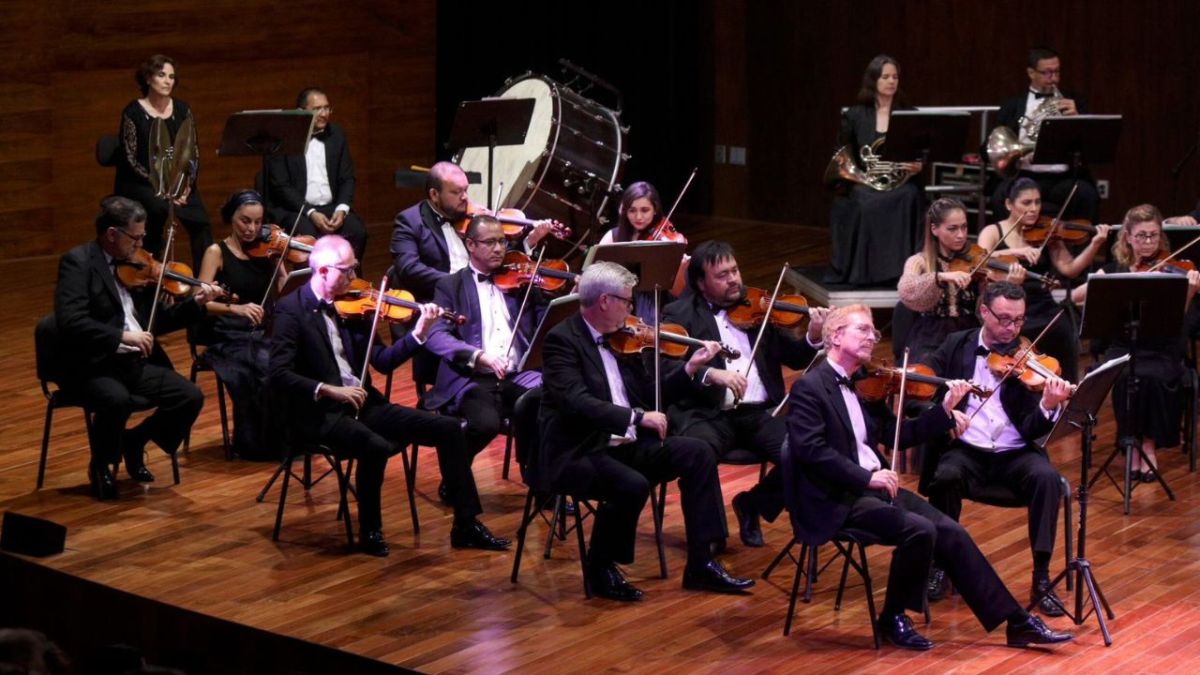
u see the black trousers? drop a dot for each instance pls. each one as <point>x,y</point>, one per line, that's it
<point>623,476</point>
<point>371,439</point>
<point>353,229</point>
<point>964,471</point>
<point>921,535</point>
<point>751,428</point>
<point>484,406</point>
<point>108,393</point>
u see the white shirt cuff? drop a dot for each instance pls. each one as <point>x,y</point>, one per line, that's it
<point>344,208</point>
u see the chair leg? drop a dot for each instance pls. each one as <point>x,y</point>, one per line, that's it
<point>286,467</point>
<point>41,477</point>
<point>526,517</point>
<point>587,585</point>
<point>225,445</point>
<point>556,521</point>
<point>787,623</point>
<point>1068,523</point>
<point>343,479</point>
<point>779,558</point>
<point>812,572</point>
<point>508,446</point>
<point>410,480</point>
<point>847,554</point>
<point>187,438</point>
<point>175,466</point>
<point>658,508</point>
<point>865,572</point>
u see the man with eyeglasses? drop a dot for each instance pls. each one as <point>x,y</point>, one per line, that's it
<point>602,439</point>
<point>837,480</point>
<point>477,376</point>
<point>108,354</point>
<point>1044,69</point>
<point>316,368</point>
<point>1000,445</point>
<point>734,407</point>
<point>320,183</point>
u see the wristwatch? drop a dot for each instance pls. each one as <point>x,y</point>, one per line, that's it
<point>638,414</point>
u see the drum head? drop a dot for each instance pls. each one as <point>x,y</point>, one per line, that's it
<point>516,166</point>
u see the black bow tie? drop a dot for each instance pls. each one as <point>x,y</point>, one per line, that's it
<point>480,277</point>
<point>327,309</point>
<point>1040,95</point>
<point>1007,348</point>
<point>980,350</point>
<point>843,381</point>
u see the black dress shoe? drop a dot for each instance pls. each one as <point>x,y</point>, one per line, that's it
<point>104,485</point>
<point>371,542</point>
<point>1032,631</point>
<point>938,585</point>
<point>138,471</point>
<point>899,631</point>
<point>711,576</point>
<point>1149,476</point>
<point>474,534</point>
<point>747,517</point>
<point>1135,476</point>
<point>1049,604</point>
<point>607,582</point>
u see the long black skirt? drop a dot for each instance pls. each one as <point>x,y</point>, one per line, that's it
<point>873,234</point>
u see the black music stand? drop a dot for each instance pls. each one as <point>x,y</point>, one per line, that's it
<point>1140,306</point>
<point>559,310</point>
<point>491,122</point>
<point>1081,415</point>
<point>265,133</point>
<point>654,262</point>
<point>923,136</point>
<point>1077,140</point>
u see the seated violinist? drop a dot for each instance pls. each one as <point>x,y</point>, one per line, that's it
<point>317,359</point>
<point>235,344</point>
<point>1139,248</point>
<point>640,217</point>
<point>734,407</point>
<point>1000,444</point>
<point>108,352</point>
<point>477,377</point>
<point>600,440</point>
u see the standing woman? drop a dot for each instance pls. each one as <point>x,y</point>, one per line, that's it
<point>236,347</point>
<point>1024,203</point>
<point>156,79</point>
<point>640,213</point>
<point>873,231</point>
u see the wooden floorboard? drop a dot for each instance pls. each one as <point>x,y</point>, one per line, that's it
<point>205,545</point>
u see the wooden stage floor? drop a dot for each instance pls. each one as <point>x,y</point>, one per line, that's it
<point>205,545</point>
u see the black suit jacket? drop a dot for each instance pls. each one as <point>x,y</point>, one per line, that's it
<point>1013,108</point>
<point>779,348</point>
<point>91,319</point>
<point>955,360</point>
<point>454,345</point>
<point>821,474</point>
<point>577,416</point>
<point>289,174</point>
<point>419,254</point>
<point>302,356</point>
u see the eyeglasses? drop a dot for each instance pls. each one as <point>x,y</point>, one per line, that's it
<point>866,331</point>
<point>1146,236</point>
<point>628,301</point>
<point>489,243</point>
<point>324,108</point>
<point>348,270</point>
<point>1048,72</point>
<point>135,237</point>
<point>1005,321</point>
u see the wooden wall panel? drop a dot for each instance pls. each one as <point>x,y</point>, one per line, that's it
<point>68,73</point>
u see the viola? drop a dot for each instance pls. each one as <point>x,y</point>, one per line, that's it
<point>636,336</point>
<point>512,221</point>
<point>142,270</point>
<point>968,261</point>
<point>1032,369</point>
<point>880,381</point>
<point>1075,231</point>
<point>789,310</point>
<point>518,269</point>
<point>361,300</point>
<point>273,241</point>
<point>1156,264</point>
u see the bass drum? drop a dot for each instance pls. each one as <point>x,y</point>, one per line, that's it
<point>569,165</point>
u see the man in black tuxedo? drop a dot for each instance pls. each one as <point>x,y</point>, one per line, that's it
<point>107,354</point>
<point>837,480</point>
<point>316,362</point>
<point>600,442</point>
<point>1054,180</point>
<point>734,407</point>
<point>320,182</point>
<point>477,377</point>
<point>1000,446</point>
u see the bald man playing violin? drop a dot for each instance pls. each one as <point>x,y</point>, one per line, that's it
<point>108,354</point>
<point>999,447</point>
<point>836,480</point>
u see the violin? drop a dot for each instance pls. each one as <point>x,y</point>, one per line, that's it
<point>665,231</point>
<point>1156,264</point>
<point>880,381</point>
<point>968,261</point>
<point>512,221</point>
<point>518,269</point>
<point>361,299</point>
<point>1075,231</point>
<point>273,241</point>
<point>1032,369</point>
<point>142,269</point>
<point>789,310</point>
<point>636,336</point>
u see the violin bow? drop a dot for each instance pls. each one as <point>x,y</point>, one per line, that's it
<point>282,256</point>
<point>379,310</point>
<point>657,354</point>
<point>682,191</point>
<point>1167,259</point>
<point>1017,359</point>
<point>763,328</point>
<point>899,410</point>
<point>516,327</point>
<point>1058,218</point>
<point>988,254</point>
<point>168,247</point>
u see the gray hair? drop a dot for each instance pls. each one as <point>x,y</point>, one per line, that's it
<point>328,250</point>
<point>604,277</point>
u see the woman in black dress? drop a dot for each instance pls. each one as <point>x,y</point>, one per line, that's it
<point>156,79</point>
<point>873,232</point>
<point>1024,205</point>
<point>236,347</point>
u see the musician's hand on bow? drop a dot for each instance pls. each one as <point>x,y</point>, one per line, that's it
<point>957,279</point>
<point>702,356</point>
<point>430,313</point>
<point>656,422</point>
<point>249,311</point>
<point>355,396</point>
<point>731,380</point>
<point>886,480</point>
<point>138,338</point>
<point>497,364</point>
<point>816,323</point>
<point>955,391</point>
<point>961,423</point>
<point>1055,392</point>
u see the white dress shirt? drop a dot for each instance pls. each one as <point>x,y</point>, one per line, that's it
<point>345,371</point>
<point>616,385</point>
<point>131,322</point>
<point>991,429</point>
<point>737,338</point>
<point>318,192</point>
<point>867,458</point>
<point>493,313</point>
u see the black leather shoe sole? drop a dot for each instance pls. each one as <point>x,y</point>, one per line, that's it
<point>717,585</point>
